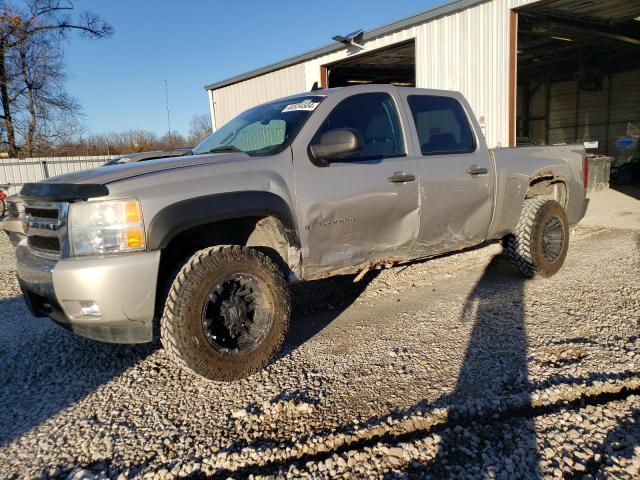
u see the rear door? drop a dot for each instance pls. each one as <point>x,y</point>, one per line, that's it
<point>455,174</point>
<point>361,208</point>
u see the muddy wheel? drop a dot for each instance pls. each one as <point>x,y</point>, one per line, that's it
<point>540,241</point>
<point>226,314</point>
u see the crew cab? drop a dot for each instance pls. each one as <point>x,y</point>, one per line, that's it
<point>322,183</point>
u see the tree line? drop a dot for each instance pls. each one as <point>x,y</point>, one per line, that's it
<point>37,116</point>
<point>120,143</point>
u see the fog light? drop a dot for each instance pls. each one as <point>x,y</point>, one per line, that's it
<point>90,309</point>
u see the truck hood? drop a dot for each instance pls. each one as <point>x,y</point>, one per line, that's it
<point>115,173</point>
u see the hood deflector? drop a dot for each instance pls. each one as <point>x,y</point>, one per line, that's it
<point>63,192</point>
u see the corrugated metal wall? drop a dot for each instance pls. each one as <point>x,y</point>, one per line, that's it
<point>466,51</point>
<point>578,116</point>
<point>17,171</point>
<point>230,101</point>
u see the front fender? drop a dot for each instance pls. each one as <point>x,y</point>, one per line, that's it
<point>193,212</point>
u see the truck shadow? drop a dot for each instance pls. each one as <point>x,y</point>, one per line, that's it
<point>32,391</point>
<point>46,369</point>
<point>317,303</point>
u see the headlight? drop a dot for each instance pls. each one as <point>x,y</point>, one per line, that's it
<point>111,226</point>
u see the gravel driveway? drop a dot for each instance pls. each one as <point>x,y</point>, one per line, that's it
<point>455,367</point>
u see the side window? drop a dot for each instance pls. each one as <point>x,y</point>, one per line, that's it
<point>375,116</point>
<point>443,127</point>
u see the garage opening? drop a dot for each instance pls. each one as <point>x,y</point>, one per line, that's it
<point>578,71</point>
<point>395,64</point>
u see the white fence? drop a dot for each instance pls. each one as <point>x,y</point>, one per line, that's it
<point>15,172</point>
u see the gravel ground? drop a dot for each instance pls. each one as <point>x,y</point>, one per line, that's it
<point>455,367</point>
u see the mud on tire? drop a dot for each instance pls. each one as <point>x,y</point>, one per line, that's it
<point>540,241</point>
<point>226,314</point>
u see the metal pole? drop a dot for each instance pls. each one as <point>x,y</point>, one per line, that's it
<point>166,94</point>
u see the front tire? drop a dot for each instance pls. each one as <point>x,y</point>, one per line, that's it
<point>226,314</point>
<point>540,241</point>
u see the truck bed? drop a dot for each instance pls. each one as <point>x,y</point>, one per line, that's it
<point>516,168</point>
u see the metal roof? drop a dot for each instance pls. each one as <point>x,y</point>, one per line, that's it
<point>427,15</point>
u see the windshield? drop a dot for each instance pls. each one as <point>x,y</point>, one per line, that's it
<point>263,130</point>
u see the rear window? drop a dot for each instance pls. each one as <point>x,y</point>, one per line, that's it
<point>442,126</point>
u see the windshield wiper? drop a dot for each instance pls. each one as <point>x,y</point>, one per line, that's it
<point>224,149</point>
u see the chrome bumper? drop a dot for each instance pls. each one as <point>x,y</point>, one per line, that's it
<point>13,228</point>
<point>123,287</point>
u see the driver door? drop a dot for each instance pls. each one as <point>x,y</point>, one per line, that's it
<point>363,208</point>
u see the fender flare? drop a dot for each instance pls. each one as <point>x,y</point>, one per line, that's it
<point>193,212</point>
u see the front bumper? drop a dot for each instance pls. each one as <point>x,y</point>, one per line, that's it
<point>13,229</point>
<point>123,287</point>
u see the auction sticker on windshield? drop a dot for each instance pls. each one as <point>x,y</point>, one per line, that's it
<point>307,105</point>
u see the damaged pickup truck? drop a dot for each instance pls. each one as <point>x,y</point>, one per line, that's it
<point>202,248</point>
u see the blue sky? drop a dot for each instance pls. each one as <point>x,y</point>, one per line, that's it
<point>119,81</point>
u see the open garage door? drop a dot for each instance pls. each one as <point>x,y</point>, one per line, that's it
<point>578,76</point>
<point>395,64</point>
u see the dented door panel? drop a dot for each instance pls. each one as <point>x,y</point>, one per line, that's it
<point>349,213</point>
<point>355,215</point>
<point>456,189</point>
<point>456,211</point>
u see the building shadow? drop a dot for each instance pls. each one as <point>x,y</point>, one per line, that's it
<point>495,362</point>
<point>632,191</point>
<point>620,441</point>
<point>46,369</point>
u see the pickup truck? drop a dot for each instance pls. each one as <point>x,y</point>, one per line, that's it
<point>201,249</point>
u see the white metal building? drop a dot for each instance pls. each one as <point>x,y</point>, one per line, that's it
<point>554,71</point>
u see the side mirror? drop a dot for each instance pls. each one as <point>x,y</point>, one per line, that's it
<point>335,144</point>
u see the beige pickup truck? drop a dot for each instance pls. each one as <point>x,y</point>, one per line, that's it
<point>317,184</point>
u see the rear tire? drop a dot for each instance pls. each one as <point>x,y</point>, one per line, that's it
<point>226,314</point>
<point>540,241</point>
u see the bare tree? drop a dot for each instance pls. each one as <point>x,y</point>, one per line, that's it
<point>199,129</point>
<point>118,143</point>
<point>45,106</point>
<point>171,140</point>
<point>28,75</point>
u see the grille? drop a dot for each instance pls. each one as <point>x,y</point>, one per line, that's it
<point>50,213</point>
<point>12,209</point>
<point>51,244</point>
<point>45,227</point>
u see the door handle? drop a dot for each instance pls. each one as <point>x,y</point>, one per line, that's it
<point>401,177</point>
<point>476,170</point>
